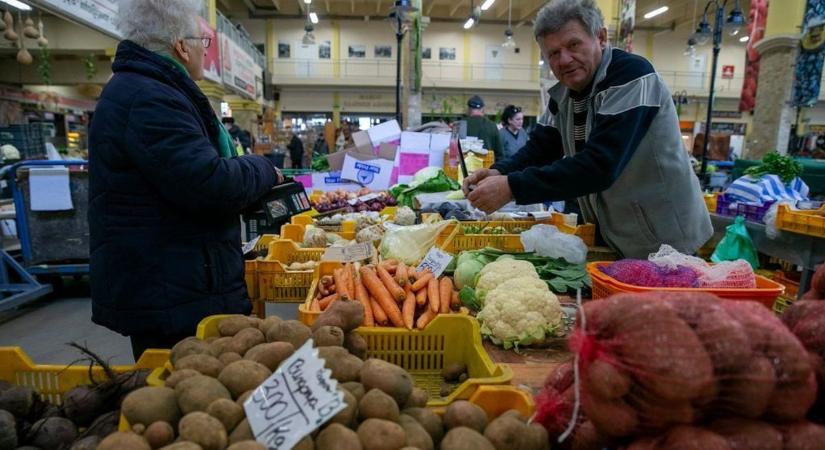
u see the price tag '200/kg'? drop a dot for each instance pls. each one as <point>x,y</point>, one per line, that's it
<point>294,401</point>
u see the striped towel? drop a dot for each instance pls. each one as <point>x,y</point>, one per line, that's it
<point>768,188</point>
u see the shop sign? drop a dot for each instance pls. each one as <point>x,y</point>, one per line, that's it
<point>727,114</point>
<point>97,14</point>
<point>47,100</point>
<point>239,69</point>
<point>727,72</point>
<point>368,102</point>
<point>212,59</point>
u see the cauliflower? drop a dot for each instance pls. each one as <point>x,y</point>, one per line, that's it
<point>501,270</point>
<point>520,311</point>
<point>370,234</point>
<point>405,216</point>
<point>315,238</point>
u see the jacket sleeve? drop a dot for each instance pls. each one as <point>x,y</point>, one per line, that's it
<point>543,148</point>
<point>170,149</point>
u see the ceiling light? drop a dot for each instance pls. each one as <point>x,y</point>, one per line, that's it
<point>703,32</point>
<point>469,23</point>
<point>744,39</point>
<point>541,62</point>
<point>313,17</point>
<point>735,22</point>
<point>656,12</point>
<point>508,39</point>
<point>17,4</point>
<point>487,4</point>
<point>308,2</point>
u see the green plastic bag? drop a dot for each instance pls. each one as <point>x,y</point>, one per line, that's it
<point>736,244</point>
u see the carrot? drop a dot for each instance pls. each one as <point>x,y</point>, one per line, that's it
<point>408,310</point>
<point>351,276</point>
<point>425,318</point>
<point>394,289</point>
<point>364,298</point>
<point>328,300</point>
<point>432,294</point>
<point>315,306</point>
<point>340,284</point>
<point>382,296</point>
<point>421,297</point>
<point>445,294</point>
<point>422,282</point>
<point>454,301</point>
<point>401,274</point>
<point>380,317</point>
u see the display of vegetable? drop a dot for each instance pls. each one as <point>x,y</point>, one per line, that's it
<point>404,216</point>
<point>320,163</point>
<point>351,201</point>
<point>391,293</point>
<point>785,167</point>
<point>429,179</point>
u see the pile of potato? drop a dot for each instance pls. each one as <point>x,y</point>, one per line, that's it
<point>201,406</point>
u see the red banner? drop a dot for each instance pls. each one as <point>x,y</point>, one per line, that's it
<point>212,59</point>
<point>756,31</point>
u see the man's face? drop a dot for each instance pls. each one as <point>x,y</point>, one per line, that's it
<point>574,55</point>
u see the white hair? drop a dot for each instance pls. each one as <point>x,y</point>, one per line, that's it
<point>158,24</point>
<point>557,13</point>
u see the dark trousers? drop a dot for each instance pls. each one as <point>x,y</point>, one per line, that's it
<point>141,342</point>
<point>297,160</point>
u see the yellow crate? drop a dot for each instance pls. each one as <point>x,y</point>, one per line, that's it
<point>587,232</point>
<point>295,231</point>
<point>507,242</point>
<point>251,268</point>
<point>487,161</point>
<point>811,223</point>
<point>275,283</point>
<point>447,339</point>
<point>52,380</point>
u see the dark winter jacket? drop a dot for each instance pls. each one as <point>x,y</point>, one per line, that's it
<point>163,206</point>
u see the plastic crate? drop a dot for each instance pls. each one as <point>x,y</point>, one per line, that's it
<point>52,380</point>
<point>587,231</point>
<point>808,222</point>
<point>710,201</point>
<point>766,291</point>
<point>510,242</point>
<point>251,268</point>
<point>487,161</point>
<point>275,283</point>
<point>725,206</point>
<point>295,231</point>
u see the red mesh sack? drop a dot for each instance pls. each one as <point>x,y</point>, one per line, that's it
<point>806,320</point>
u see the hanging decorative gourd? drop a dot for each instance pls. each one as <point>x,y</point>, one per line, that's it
<point>29,30</point>
<point>23,56</point>
<point>41,41</point>
<point>10,35</point>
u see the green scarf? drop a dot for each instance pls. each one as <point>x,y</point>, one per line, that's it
<point>226,145</point>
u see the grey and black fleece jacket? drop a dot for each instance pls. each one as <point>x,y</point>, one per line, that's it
<point>631,175</point>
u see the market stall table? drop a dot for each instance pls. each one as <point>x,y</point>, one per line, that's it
<point>530,366</point>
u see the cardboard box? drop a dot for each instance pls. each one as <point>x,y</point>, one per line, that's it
<point>362,142</point>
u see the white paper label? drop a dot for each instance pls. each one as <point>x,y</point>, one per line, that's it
<point>250,245</point>
<point>350,253</point>
<point>436,260</point>
<point>294,401</point>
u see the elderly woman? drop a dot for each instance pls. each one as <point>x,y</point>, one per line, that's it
<point>513,136</point>
<point>166,187</point>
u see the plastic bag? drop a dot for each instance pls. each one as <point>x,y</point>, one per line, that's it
<point>725,274</point>
<point>548,241</point>
<point>736,244</point>
<point>410,244</point>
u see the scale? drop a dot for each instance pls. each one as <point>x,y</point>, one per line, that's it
<point>275,209</point>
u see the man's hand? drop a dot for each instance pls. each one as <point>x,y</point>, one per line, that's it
<point>475,178</point>
<point>279,176</point>
<point>491,194</point>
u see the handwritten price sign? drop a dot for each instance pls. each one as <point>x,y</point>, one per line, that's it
<point>436,261</point>
<point>297,399</point>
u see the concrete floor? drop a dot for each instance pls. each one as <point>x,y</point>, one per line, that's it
<point>44,327</point>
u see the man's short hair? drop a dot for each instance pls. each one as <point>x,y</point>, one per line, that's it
<point>554,15</point>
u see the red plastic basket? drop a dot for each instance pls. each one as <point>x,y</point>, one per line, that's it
<point>604,286</point>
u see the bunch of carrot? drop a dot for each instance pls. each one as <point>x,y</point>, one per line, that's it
<point>392,293</point>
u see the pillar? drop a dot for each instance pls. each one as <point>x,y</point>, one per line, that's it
<point>245,113</point>
<point>411,94</point>
<point>214,92</point>
<point>773,115</point>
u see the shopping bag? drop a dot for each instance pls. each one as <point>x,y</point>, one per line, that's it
<point>736,244</point>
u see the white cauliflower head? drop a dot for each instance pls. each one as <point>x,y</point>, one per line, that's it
<point>405,216</point>
<point>520,311</point>
<point>497,272</point>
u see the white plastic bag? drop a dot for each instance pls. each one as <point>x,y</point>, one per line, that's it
<point>548,241</point>
<point>410,244</point>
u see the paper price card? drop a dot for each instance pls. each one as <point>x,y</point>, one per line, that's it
<point>436,261</point>
<point>250,245</point>
<point>296,400</point>
<point>350,253</point>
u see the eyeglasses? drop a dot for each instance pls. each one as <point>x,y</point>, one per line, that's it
<point>206,41</point>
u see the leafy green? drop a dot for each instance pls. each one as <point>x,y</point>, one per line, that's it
<point>467,297</point>
<point>320,163</point>
<point>785,167</point>
<point>405,194</point>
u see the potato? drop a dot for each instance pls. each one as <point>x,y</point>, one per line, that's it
<point>139,428</point>
<point>515,414</point>
<point>463,438</point>
<point>431,422</point>
<point>205,364</point>
<point>605,381</point>
<point>8,430</point>
<point>270,354</point>
<point>803,436</point>
<point>267,323</point>
<point>230,326</point>
<point>462,413</point>
<point>243,397</point>
<point>158,434</point>
<point>347,316</point>
<point>328,336</point>
<point>187,347</point>
<point>393,380</point>
<point>748,434</point>
<point>344,367</point>
<point>292,331</point>
<point>506,433</point>
<point>748,393</point>
<point>124,441</point>
<point>378,405</point>
<point>151,404</point>
<point>418,398</point>
<point>307,443</point>
<point>241,433</point>
<point>417,436</point>
<point>356,388</point>
<point>216,347</point>
<point>356,344</point>
<point>377,434</point>
<point>242,376</point>
<point>244,340</point>
<point>337,437</point>
<point>179,375</point>
<point>690,438</point>
<point>452,371</point>
<point>246,445</point>
<point>182,445</point>
<point>229,357</point>
<point>17,400</point>
<point>611,417</point>
<point>791,402</point>
<point>346,416</point>
<point>204,430</point>
<point>86,443</point>
<point>535,437</point>
<point>197,393</point>
<point>228,412</point>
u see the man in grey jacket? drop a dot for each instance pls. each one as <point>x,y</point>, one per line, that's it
<point>610,137</point>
